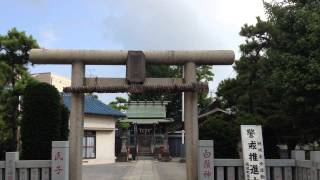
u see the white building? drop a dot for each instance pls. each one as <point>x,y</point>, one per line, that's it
<point>57,81</point>
<point>99,130</point>
<point>99,122</point>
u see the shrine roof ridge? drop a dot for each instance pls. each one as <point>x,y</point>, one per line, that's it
<point>148,102</point>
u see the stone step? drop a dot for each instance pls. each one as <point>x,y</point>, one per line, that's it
<point>145,157</point>
<point>145,154</point>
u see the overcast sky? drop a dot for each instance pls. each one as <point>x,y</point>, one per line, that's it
<point>131,25</point>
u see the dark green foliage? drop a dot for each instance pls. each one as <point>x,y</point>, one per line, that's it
<point>278,73</point>
<point>64,123</point>
<point>271,150</point>
<point>225,135</point>
<point>44,120</point>
<point>13,78</point>
<point>120,104</point>
<point>295,80</point>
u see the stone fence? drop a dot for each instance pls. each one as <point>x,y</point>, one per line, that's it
<point>55,169</point>
<point>296,168</point>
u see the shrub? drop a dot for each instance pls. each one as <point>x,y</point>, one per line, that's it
<point>224,134</point>
<point>44,120</point>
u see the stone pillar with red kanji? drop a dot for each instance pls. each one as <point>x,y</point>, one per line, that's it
<point>206,156</point>
<point>60,160</point>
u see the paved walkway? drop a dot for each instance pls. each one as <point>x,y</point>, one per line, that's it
<point>143,170</point>
<point>140,170</point>
<point>114,171</point>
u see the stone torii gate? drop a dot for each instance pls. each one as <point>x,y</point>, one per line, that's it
<point>135,82</point>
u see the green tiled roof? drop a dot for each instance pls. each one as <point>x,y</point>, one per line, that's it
<point>148,121</point>
<point>146,110</point>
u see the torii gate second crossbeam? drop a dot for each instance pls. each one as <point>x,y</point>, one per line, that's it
<point>135,82</point>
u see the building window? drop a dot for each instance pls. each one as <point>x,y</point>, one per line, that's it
<point>89,145</point>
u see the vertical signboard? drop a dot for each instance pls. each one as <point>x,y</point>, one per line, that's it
<point>253,153</point>
<point>206,168</point>
<point>60,160</point>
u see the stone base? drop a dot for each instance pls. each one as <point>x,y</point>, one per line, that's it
<point>98,161</point>
<point>122,157</point>
<point>182,160</point>
<point>165,157</point>
<point>144,157</point>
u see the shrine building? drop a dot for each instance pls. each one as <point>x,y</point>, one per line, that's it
<point>148,131</point>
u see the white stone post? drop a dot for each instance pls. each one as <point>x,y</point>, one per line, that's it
<point>60,160</point>
<point>166,140</point>
<point>206,156</point>
<point>298,154</point>
<point>123,156</point>
<point>10,166</point>
<point>124,144</point>
<point>315,157</point>
<point>76,122</point>
<point>191,123</point>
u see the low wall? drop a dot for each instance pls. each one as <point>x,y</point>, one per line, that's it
<point>55,169</point>
<point>276,169</point>
<point>224,169</point>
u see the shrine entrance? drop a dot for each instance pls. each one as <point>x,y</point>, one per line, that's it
<point>147,133</point>
<point>135,82</point>
<point>144,144</point>
<point>144,136</point>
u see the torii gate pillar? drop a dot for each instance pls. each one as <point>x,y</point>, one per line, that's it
<point>191,123</point>
<point>76,122</point>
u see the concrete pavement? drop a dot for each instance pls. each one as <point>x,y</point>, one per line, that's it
<point>139,170</point>
<point>115,171</point>
<point>143,170</point>
<point>171,170</point>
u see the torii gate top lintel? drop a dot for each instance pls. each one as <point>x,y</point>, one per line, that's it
<point>104,57</point>
<point>135,81</point>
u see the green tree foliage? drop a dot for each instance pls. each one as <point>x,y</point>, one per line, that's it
<point>13,78</point>
<point>295,82</point>
<point>247,91</point>
<point>44,120</point>
<point>225,135</point>
<point>204,74</point>
<point>64,123</point>
<point>278,72</point>
<point>120,104</point>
